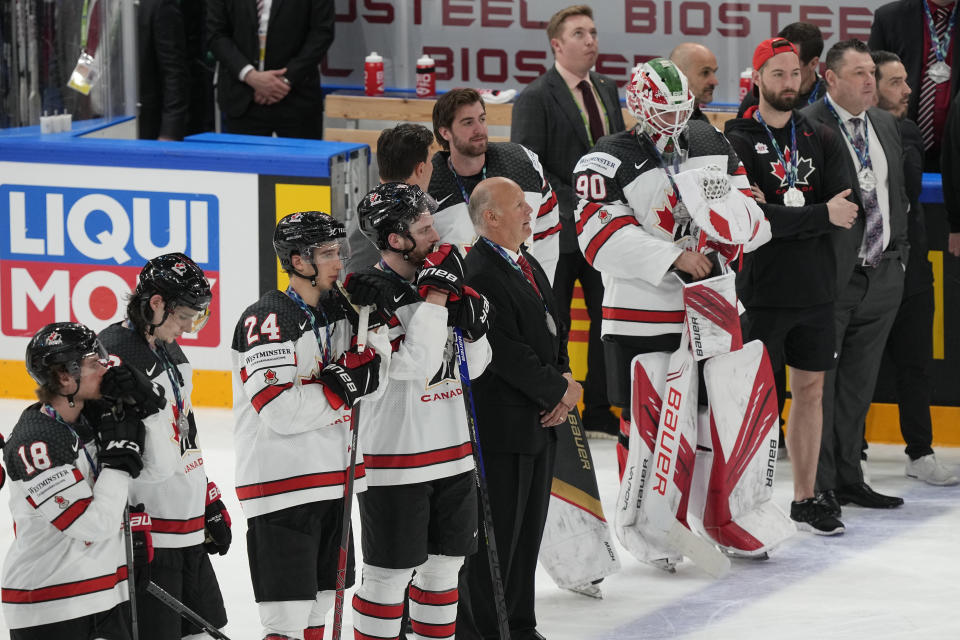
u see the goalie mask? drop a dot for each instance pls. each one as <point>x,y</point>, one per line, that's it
<point>660,99</point>
<point>182,285</point>
<point>391,208</point>
<point>314,236</point>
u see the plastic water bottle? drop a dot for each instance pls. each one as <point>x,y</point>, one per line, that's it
<point>426,77</point>
<point>373,74</point>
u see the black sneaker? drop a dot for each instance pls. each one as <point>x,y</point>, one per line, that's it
<point>828,499</point>
<point>813,516</point>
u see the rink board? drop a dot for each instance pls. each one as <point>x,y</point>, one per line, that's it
<point>82,216</point>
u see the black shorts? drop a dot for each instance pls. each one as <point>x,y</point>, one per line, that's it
<point>113,624</point>
<point>187,575</point>
<point>293,553</point>
<point>401,524</point>
<point>619,352</point>
<point>803,338</point>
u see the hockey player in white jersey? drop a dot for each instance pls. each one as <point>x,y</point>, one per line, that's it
<point>189,518</point>
<point>70,458</point>
<point>420,508</point>
<point>467,158</point>
<point>296,377</point>
<point>666,199</point>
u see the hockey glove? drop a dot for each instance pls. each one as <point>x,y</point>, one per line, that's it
<point>126,384</point>
<point>473,314</point>
<point>354,375</point>
<point>216,523</point>
<point>374,287</point>
<point>140,526</point>
<point>121,442</point>
<point>442,270</point>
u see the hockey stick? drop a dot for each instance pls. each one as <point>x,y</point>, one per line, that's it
<point>131,581</point>
<point>158,592</point>
<point>362,324</point>
<point>493,558</point>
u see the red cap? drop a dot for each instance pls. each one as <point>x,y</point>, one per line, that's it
<point>769,48</point>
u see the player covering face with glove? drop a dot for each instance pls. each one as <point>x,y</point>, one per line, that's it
<point>419,510</point>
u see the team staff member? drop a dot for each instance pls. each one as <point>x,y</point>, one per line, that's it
<point>559,116</point>
<point>295,380</point>
<point>870,267</point>
<point>172,298</point>
<point>789,284</point>
<point>420,507</point>
<point>526,390</point>
<point>808,41</point>
<point>70,459</point>
<point>700,67</point>
<point>460,126</point>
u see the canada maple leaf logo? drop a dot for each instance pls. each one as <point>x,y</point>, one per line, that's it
<point>270,376</point>
<point>179,268</point>
<point>665,214</point>
<point>804,169</point>
<point>54,338</point>
<point>604,216</point>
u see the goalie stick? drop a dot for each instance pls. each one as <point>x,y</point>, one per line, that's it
<point>158,592</point>
<point>493,558</point>
<point>362,324</point>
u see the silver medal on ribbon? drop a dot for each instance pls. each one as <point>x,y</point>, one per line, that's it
<point>794,198</point>
<point>183,425</point>
<point>939,71</point>
<point>867,179</point>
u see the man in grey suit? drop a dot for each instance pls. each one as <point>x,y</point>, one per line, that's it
<point>560,116</point>
<point>870,266</point>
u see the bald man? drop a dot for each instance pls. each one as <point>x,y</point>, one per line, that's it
<point>700,66</point>
<point>525,391</point>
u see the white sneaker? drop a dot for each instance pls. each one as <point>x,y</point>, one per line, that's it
<point>929,469</point>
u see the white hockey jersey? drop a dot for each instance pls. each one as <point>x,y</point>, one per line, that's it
<point>176,504</point>
<point>627,230</point>
<point>416,430</point>
<point>292,446</point>
<point>67,559</point>
<point>509,160</point>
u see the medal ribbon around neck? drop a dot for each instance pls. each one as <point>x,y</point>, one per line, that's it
<point>174,375</point>
<point>325,348</point>
<point>789,169</point>
<point>940,47</point>
<point>456,176</point>
<point>50,412</point>
<point>863,158</point>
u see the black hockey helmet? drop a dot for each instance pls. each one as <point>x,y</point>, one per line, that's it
<point>61,344</point>
<point>299,233</point>
<point>180,282</point>
<point>391,208</point>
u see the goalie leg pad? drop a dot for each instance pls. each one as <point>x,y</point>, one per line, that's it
<point>737,512</point>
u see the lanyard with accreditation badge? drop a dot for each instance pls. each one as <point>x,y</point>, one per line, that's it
<point>551,325</point>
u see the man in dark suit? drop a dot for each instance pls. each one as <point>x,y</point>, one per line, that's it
<point>560,116</point>
<point>269,54</point>
<point>870,265</point>
<point>910,344</point>
<point>526,390</point>
<point>163,71</point>
<point>903,27</point>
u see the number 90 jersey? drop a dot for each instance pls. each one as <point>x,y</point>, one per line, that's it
<point>627,227</point>
<point>292,446</point>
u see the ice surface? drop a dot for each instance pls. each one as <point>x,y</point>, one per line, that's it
<point>894,574</point>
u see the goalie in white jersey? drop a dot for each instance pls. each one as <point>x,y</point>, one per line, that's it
<point>295,379</point>
<point>420,508</point>
<point>70,458</point>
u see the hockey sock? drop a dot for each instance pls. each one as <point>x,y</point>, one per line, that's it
<point>433,598</point>
<point>284,620</point>
<point>318,615</point>
<point>378,603</point>
<point>623,444</point>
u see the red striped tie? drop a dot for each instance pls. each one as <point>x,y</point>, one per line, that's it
<point>928,88</point>
<point>528,272</point>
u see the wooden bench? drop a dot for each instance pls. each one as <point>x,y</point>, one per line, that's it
<point>355,108</point>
